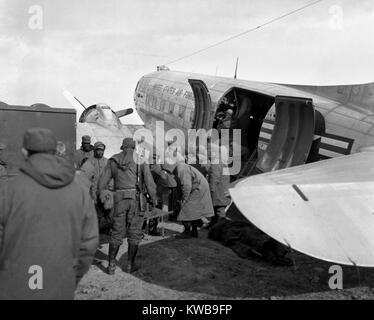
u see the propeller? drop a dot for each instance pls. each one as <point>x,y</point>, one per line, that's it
<point>124,112</point>
<point>73,100</point>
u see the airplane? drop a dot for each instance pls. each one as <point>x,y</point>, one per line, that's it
<point>322,208</point>
<point>103,124</point>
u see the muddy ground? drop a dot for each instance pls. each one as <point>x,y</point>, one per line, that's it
<point>204,269</point>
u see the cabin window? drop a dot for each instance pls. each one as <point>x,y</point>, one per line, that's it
<point>175,111</point>
<point>192,115</point>
<point>154,100</point>
<point>182,111</point>
<point>147,100</point>
<point>171,107</point>
<point>157,105</point>
<point>162,105</point>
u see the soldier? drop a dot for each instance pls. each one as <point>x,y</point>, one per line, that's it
<point>201,159</point>
<point>164,183</point>
<point>97,164</point>
<point>48,225</point>
<point>218,183</point>
<point>196,201</point>
<point>130,179</point>
<point>85,178</point>
<point>225,123</point>
<point>3,171</point>
<point>61,149</point>
<point>85,151</point>
<point>87,171</point>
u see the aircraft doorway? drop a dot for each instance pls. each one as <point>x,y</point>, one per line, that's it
<point>286,134</point>
<point>289,140</point>
<point>289,135</point>
<point>244,110</point>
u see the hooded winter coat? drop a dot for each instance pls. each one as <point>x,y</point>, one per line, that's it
<point>80,155</point>
<point>47,223</point>
<point>196,199</point>
<point>218,184</point>
<point>94,167</point>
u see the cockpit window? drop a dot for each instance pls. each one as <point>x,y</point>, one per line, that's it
<point>91,116</point>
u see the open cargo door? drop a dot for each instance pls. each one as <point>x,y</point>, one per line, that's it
<point>292,136</point>
<point>203,104</point>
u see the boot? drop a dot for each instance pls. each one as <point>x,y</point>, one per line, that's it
<point>186,234</point>
<point>152,228</point>
<point>113,251</point>
<point>194,233</point>
<point>105,225</point>
<point>213,221</point>
<point>131,254</point>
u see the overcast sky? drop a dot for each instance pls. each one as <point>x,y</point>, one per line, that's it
<point>98,50</point>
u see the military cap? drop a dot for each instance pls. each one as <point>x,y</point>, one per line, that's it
<point>39,140</point>
<point>128,143</point>
<point>99,145</point>
<point>86,139</point>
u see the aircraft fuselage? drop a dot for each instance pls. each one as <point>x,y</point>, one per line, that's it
<point>287,124</point>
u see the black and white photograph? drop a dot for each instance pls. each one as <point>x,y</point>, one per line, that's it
<point>205,151</point>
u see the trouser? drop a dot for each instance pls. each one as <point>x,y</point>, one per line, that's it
<point>152,226</point>
<point>104,217</point>
<point>174,204</point>
<point>128,221</point>
<point>189,224</point>
<point>152,223</point>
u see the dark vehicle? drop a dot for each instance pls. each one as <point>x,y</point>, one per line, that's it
<point>15,120</point>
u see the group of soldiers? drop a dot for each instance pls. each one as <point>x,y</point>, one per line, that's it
<point>51,212</point>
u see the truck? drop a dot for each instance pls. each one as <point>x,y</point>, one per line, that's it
<point>15,120</point>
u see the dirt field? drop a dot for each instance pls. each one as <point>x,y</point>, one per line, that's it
<point>204,269</point>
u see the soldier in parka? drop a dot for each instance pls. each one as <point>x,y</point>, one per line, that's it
<point>219,181</point>
<point>130,180</point>
<point>85,151</point>
<point>48,224</point>
<point>164,182</point>
<point>97,164</point>
<point>196,201</point>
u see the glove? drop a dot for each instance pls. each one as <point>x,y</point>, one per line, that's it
<point>107,200</point>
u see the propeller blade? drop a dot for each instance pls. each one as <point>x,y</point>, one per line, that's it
<point>124,112</point>
<point>73,100</point>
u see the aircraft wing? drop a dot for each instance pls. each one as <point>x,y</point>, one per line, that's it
<point>323,209</point>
